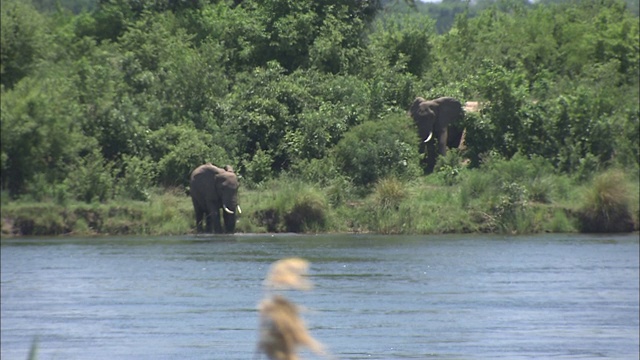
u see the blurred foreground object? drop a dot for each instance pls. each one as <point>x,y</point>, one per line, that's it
<point>288,273</point>
<point>282,330</point>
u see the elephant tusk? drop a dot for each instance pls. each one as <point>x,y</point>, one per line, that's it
<point>429,137</point>
<point>227,210</point>
<point>239,210</point>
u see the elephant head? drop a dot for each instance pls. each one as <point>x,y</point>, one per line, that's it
<point>440,118</point>
<point>215,190</point>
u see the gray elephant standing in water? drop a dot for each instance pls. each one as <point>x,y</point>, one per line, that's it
<point>213,190</point>
<point>440,118</point>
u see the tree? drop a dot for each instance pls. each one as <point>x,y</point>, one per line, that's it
<point>41,131</point>
<point>23,40</point>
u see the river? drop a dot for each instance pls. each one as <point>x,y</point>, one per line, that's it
<point>375,297</point>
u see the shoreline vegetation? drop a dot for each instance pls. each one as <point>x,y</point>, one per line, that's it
<point>479,201</point>
<point>107,106</point>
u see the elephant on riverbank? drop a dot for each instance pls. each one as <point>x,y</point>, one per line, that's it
<point>441,119</point>
<point>214,190</point>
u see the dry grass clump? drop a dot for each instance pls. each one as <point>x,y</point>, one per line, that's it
<point>282,330</point>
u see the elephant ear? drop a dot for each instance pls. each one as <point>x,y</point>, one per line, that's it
<point>415,107</point>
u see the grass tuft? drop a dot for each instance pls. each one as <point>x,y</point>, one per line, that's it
<point>606,205</point>
<point>389,193</point>
<point>308,213</point>
<point>290,206</point>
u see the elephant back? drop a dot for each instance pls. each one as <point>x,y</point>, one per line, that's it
<point>205,170</point>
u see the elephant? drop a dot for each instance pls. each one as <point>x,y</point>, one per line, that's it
<point>214,189</point>
<point>440,118</point>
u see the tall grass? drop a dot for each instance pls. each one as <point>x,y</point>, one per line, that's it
<point>607,203</point>
<point>165,213</point>
<point>505,196</point>
<point>389,193</point>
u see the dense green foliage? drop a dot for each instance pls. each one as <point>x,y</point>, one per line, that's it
<point>130,95</point>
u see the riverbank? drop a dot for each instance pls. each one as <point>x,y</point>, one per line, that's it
<point>470,202</point>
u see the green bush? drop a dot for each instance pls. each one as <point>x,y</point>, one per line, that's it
<point>257,169</point>
<point>405,39</point>
<point>180,149</point>
<point>509,208</point>
<point>535,175</point>
<point>450,166</point>
<point>138,177</point>
<point>377,149</point>
<point>91,179</point>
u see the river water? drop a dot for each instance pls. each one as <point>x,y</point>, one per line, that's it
<point>375,297</point>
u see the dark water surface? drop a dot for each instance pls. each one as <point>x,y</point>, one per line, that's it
<point>375,297</point>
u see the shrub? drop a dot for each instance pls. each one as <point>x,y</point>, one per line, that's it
<point>315,171</point>
<point>448,167</point>
<point>606,206</point>
<point>92,178</point>
<point>40,189</point>
<point>377,149</point>
<point>137,178</point>
<point>180,149</point>
<point>258,168</point>
<point>535,175</point>
<point>510,206</point>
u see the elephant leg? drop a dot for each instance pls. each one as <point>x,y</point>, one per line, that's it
<point>199,216</point>
<point>462,145</point>
<point>208,218</point>
<point>215,220</point>
<point>455,138</point>
<point>442,142</point>
<point>229,222</point>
